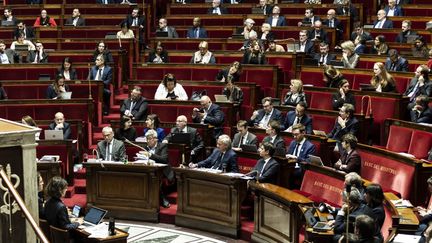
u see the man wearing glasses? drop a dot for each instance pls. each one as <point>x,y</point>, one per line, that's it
<point>38,55</point>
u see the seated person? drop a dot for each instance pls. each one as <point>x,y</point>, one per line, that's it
<point>126,130</point>
<point>261,118</point>
<point>364,227</point>
<point>318,33</point>
<point>222,158</point>
<point>110,149</point>
<point>382,80</point>
<point>374,197</point>
<point>41,196</point>
<point>421,112</point>
<point>266,170</point>
<point>203,56</point>
<point>306,45</point>
<point>345,123</point>
<point>350,160</point>
<point>276,19</point>
<point>394,62</point>
<point>169,89</point>
<point>66,70</point>
<point>26,30</point>
<point>209,113</point>
<point>300,148</point>
<point>382,22</point>
<point>265,6</point>
<point>56,212</point>
<point>37,56</point>
<point>243,136</point>
<point>60,124</point>
<point>420,48</point>
<point>360,45</point>
<point>136,106</point>
<point>298,116</point>
<point>103,50</point>
<point>392,9</point>
<point>332,76</point>
<point>232,73</point>
<point>76,19</point>
<point>349,58</point>
<point>296,94</point>
<point>44,20</point>
<point>273,135</point>
<point>163,27</point>
<point>273,47</point>
<point>426,209</point>
<point>22,41</point>
<point>125,32</point>
<point>420,84</point>
<point>266,33</point>
<point>233,92</point>
<point>55,90</point>
<point>196,142</point>
<point>104,73</point>
<point>380,46</point>
<point>28,120</point>
<point>324,57</point>
<point>153,122</point>
<point>248,30</point>
<point>354,180</point>
<point>196,31</point>
<point>217,8</point>
<point>344,95</point>
<point>254,55</point>
<point>158,55</point>
<point>8,16</point>
<point>7,56</point>
<point>402,37</point>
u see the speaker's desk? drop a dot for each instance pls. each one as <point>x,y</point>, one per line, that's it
<point>127,191</point>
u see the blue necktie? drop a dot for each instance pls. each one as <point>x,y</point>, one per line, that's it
<point>196,33</point>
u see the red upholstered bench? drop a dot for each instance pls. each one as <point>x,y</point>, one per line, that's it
<point>421,143</point>
<point>399,139</point>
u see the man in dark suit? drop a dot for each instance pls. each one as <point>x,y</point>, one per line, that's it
<point>135,107</point>
<point>273,135</point>
<point>163,27</point>
<point>135,20</point>
<point>266,170</point>
<point>196,142</point>
<point>38,55</point>
<point>348,9</point>
<point>276,19</point>
<point>394,62</point>
<point>298,116</point>
<point>419,85</point>
<point>402,37</point>
<point>300,148</point>
<point>359,31</point>
<point>382,22</point>
<point>7,56</point>
<point>333,22</point>
<point>421,112</point>
<point>318,33</point>
<point>345,123</point>
<point>243,136</point>
<point>392,9</point>
<point>110,149</point>
<point>305,44</point>
<point>8,16</point>
<point>324,57</point>
<point>309,18</point>
<point>217,8</point>
<point>350,160</point>
<point>222,158</point>
<point>209,113</point>
<point>265,7</point>
<point>60,124</point>
<point>28,31</point>
<point>261,118</point>
<point>103,73</point>
<point>196,31</point>
<point>76,19</point>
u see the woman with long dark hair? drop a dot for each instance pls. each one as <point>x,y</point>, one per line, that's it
<point>68,72</point>
<point>126,131</point>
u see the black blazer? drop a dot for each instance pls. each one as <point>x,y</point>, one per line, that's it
<point>66,129</point>
<point>322,35</point>
<point>352,161</point>
<point>51,93</point>
<point>56,214</point>
<point>300,97</point>
<point>139,110</point>
<point>163,56</point>
<point>224,74</point>
<point>161,156</point>
<point>80,22</point>
<point>29,31</point>
<point>327,59</point>
<point>270,173</point>
<point>276,115</point>
<point>215,117</point>
<point>235,96</point>
<point>72,73</point>
<point>223,10</point>
<point>229,160</point>
<point>248,58</point>
<point>278,142</point>
<point>337,101</point>
<point>129,20</point>
<point>32,55</point>
<point>351,126</point>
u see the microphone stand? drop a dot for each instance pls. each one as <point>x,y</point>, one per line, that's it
<point>136,145</point>
<point>88,79</point>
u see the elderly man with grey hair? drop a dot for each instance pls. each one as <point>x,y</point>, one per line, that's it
<point>209,113</point>
<point>217,8</point>
<point>203,56</point>
<point>110,149</point>
<point>222,158</point>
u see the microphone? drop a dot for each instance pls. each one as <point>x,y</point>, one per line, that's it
<point>224,167</point>
<point>136,145</point>
<point>98,159</point>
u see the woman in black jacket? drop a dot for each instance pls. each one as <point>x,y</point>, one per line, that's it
<point>102,49</point>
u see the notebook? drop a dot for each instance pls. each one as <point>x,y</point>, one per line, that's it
<point>312,222</point>
<point>53,134</point>
<point>180,137</point>
<point>249,148</point>
<point>221,98</point>
<point>316,160</point>
<point>65,95</point>
<point>94,216</point>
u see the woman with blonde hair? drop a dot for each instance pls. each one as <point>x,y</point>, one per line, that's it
<point>296,94</point>
<point>382,80</point>
<point>332,76</point>
<point>349,57</point>
<point>248,28</point>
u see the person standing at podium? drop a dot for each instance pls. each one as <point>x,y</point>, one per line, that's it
<point>222,158</point>
<point>266,169</point>
<point>110,149</point>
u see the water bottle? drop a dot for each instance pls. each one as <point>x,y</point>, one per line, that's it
<point>111,227</point>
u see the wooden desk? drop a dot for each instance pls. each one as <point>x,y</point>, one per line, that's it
<point>405,219</point>
<point>48,170</point>
<point>120,237</point>
<point>209,202</point>
<point>277,215</point>
<point>128,191</point>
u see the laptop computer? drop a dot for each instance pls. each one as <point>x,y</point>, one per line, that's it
<point>65,95</point>
<point>161,34</point>
<point>293,47</point>
<point>367,87</point>
<point>316,160</point>
<point>411,38</point>
<point>337,63</point>
<point>44,77</point>
<point>111,36</point>
<point>94,216</point>
<point>312,222</point>
<point>180,137</point>
<point>53,134</point>
<point>221,98</point>
<point>249,148</point>
<point>75,211</point>
<point>20,48</point>
<point>7,23</point>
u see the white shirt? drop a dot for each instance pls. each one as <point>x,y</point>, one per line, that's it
<point>265,120</point>
<point>97,74</point>
<point>202,59</point>
<point>302,47</point>
<point>31,46</point>
<point>390,12</point>
<point>66,75</point>
<point>265,163</point>
<point>274,21</point>
<point>75,21</point>
<point>217,11</point>
<point>162,92</point>
<point>4,59</point>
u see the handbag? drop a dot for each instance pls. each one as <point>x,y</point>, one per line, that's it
<point>196,95</point>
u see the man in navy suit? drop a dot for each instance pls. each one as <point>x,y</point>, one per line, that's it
<point>196,31</point>
<point>222,158</point>
<point>262,117</point>
<point>276,19</point>
<point>333,22</point>
<point>273,135</point>
<point>243,136</point>
<point>324,57</point>
<point>394,62</point>
<point>345,123</point>
<point>309,18</point>
<point>209,113</point>
<point>298,116</point>
<point>266,169</point>
<point>305,44</point>
<point>217,8</point>
<point>135,107</point>
<point>392,9</point>
<point>139,21</point>
<point>318,33</point>
<point>382,22</point>
<point>103,73</point>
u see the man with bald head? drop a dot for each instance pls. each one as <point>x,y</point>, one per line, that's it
<point>318,33</point>
<point>196,142</point>
<point>382,22</point>
<point>333,22</point>
<point>135,107</point>
<point>110,149</point>
<point>196,31</point>
<point>203,56</point>
<point>163,27</point>
<point>60,124</point>
<point>217,8</point>
<point>210,114</point>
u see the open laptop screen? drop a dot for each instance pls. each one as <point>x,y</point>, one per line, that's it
<point>95,215</point>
